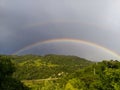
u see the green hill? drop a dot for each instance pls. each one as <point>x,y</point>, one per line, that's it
<point>59,72</point>
<point>42,67</point>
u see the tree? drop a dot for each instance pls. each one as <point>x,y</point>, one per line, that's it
<point>6,81</point>
<point>75,84</point>
<point>111,79</point>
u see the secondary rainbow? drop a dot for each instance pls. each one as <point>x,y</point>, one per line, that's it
<point>61,21</point>
<point>67,40</point>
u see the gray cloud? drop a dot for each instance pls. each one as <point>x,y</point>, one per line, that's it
<point>23,22</point>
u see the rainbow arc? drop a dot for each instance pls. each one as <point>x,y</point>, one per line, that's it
<point>66,40</point>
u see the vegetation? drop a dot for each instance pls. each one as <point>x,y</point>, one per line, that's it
<point>41,67</point>
<point>7,82</point>
<point>58,72</point>
<point>104,75</point>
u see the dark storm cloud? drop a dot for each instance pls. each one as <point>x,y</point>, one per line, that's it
<point>23,22</point>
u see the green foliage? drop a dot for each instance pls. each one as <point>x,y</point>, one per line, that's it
<point>60,72</point>
<point>6,67</point>
<point>6,81</point>
<point>111,79</point>
<point>40,67</point>
<point>75,84</point>
<point>103,75</point>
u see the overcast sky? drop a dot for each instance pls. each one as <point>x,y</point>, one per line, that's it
<point>23,22</point>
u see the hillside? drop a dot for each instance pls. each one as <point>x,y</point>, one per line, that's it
<point>58,72</point>
<point>42,67</point>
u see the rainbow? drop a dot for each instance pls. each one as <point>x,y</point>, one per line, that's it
<point>67,40</point>
<point>61,21</point>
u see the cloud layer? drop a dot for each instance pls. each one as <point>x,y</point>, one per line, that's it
<point>24,22</point>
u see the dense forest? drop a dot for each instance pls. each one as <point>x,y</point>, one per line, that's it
<point>57,72</point>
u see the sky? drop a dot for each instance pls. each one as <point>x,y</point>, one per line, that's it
<point>24,22</point>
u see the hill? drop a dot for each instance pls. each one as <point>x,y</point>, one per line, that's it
<point>60,72</point>
<point>42,67</point>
